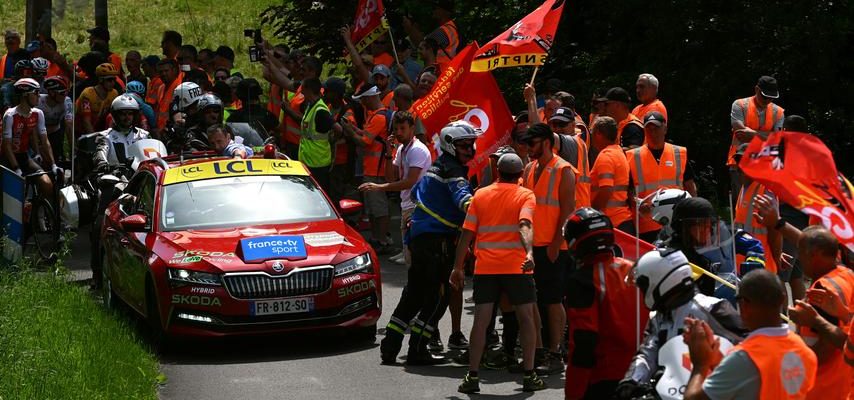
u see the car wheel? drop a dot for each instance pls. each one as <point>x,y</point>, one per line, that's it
<point>109,297</point>
<point>159,339</point>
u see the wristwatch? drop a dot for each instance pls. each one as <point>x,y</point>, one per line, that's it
<point>780,224</point>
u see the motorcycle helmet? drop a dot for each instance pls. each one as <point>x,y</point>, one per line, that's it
<point>664,277</point>
<point>209,100</point>
<point>588,231</point>
<point>454,132</point>
<point>187,94</point>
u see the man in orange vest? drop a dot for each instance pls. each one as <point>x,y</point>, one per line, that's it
<point>167,69</point>
<point>609,188</point>
<point>657,165</point>
<point>772,363</point>
<point>12,40</point>
<point>446,35</point>
<point>629,126</point>
<point>646,88</point>
<point>498,220</point>
<point>553,181</point>
<point>746,219</point>
<point>751,116</point>
<point>817,252</point>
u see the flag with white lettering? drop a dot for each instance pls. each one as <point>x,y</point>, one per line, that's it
<point>370,23</point>
<point>527,42</point>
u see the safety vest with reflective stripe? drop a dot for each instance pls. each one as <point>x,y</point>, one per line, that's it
<point>3,66</point>
<point>649,175</point>
<point>617,207</point>
<point>292,132</point>
<point>494,215</point>
<point>547,192</point>
<point>631,119</point>
<point>581,168</point>
<point>833,379</point>
<point>773,113</point>
<point>164,100</point>
<point>373,158</point>
<point>314,148</point>
<point>745,220</point>
<point>274,105</point>
<point>786,366</point>
<point>445,55</point>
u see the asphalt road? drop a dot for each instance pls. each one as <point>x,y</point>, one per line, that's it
<point>317,365</point>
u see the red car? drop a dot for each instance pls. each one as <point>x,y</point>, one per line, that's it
<point>216,246</point>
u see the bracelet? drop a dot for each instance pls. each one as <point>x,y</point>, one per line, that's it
<point>780,224</point>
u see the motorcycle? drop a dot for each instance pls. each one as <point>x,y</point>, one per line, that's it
<point>674,370</point>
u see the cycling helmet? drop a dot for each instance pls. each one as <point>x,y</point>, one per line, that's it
<point>187,93</point>
<point>106,69</point>
<point>135,87</point>
<point>26,85</point>
<point>22,65</point>
<point>663,203</point>
<point>454,132</point>
<point>588,232</point>
<point>664,277</point>
<point>209,100</point>
<point>124,102</point>
<point>40,65</point>
<point>55,83</point>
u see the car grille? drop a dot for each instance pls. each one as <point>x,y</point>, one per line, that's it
<point>263,286</point>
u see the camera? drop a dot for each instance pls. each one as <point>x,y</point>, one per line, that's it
<point>256,53</point>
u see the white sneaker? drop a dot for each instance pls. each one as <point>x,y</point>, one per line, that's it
<point>396,256</point>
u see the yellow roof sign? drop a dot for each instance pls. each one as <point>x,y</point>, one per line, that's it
<point>233,167</point>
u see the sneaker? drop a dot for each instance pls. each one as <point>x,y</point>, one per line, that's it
<point>495,360</point>
<point>532,383</point>
<point>396,256</point>
<point>424,358</point>
<point>457,341</point>
<point>470,300</point>
<point>462,358</point>
<point>492,339</point>
<point>435,344</point>
<point>552,364</point>
<point>470,385</point>
<point>514,366</point>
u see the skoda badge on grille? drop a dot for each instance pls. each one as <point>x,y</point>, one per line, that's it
<point>278,266</point>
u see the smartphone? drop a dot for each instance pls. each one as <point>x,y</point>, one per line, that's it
<point>256,54</point>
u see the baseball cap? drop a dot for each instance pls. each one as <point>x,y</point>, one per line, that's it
<point>366,91</point>
<point>536,131</point>
<point>11,33</point>
<point>616,94</point>
<point>151,60</point>
<point>563,114</point>
<point>768,87</point>
<point>502,151</point>
<point>32,46</point>
<point>510,163</point>
<point>382,70</point>
<point>655,118</point>
<point>100,32</point>
<point>335,85</point>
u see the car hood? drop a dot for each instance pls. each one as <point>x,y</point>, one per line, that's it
<point>219,250</point>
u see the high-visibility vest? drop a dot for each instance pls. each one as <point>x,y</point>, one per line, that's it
<point>494,215</point>
<point>3,67</point>
<point>152,93</point>
<point>445,55</point>
<point>649,175</point>
<point>547,192</point>
<point>630,119</point>
<point>116,60</point>
<point>292,130</point>
<point>582,130</point>
<point>373,159</point>
<point>582,172</point>
<point>314,148</point>
<point>617,208</point>
<point>341,149</point>
<point>641,110</point>
<point>786,366</point>
<point>773,113</point>
<point>745,220</point>
<point>833,379</point>
<point>274,105</point>
<point>164,101</point>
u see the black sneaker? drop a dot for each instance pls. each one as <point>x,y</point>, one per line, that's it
<point>495,360</point>
<point>532,383</point>
<point>435,345</point>
<point>514,366</point>
<point>388,359</point>
<point>458,341</point>
<point>424,358</point>
<point>552,364</point>
<point>470,385</point>
<point>462,358</point>
<point>493,339</point>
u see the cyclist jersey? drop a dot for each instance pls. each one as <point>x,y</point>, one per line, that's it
<point>18,127</point>
<point>95,108</point>
<point>54,115</point>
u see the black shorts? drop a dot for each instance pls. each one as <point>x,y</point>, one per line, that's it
<point>550,276</point>
<point>25,163</point>
<point>519,288</point>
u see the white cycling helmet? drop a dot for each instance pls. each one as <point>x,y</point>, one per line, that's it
<point>454,132</point>
<point>124,102</point>
<point>663,203</point>
<point>662,275</point>
<point>187,93</point>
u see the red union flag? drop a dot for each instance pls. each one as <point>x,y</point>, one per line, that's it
<point>461,95</point>
<point>525,43</point>
<point>629,246</point>
<point>800,170</point>
<point>370,23</point>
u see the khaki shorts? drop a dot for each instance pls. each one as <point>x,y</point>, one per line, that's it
<point>376,203</point>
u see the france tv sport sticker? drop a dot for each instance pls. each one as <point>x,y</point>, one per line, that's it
<point>267,247</point>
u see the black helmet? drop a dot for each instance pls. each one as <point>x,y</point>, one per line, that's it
<point>588,231</point>
<point>693,207</point>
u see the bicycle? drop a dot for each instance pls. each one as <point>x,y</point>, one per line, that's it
<point>41,221</point>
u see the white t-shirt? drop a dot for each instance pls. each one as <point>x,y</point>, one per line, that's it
<point>54,115</point>
<point>415,155</point>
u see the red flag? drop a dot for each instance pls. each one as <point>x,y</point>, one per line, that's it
<point>370,23</point>
<point>461,95</point>
<point>628,245</point>
<point>800,170</point>
<point>525,43</point>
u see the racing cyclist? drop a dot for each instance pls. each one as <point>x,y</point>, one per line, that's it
<point>23,69</point>
<point>40,67</point>
<point>23,128</point>
<point>58,112</point>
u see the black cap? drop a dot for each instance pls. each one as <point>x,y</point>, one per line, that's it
<point>536,131</point>
<point>617,94</point>
<point>655,118</point>
<point>100,32</point>
<point>336,85</point>
<point>768,87</point>
<point>563,114</point>
<point>151,60</point>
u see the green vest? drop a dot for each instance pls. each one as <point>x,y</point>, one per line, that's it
<point>314,148</point>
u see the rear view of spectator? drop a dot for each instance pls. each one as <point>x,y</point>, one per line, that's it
<point>252,111</point>
<point>171,43</point>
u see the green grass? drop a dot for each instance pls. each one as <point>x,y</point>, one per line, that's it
<point>139,24</point>
<point>56,342</point>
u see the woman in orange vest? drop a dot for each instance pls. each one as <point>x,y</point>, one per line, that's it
<point>772,363</point>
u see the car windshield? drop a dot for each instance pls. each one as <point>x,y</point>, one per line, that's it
<point>242,201</point>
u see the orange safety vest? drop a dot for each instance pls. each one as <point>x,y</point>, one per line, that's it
<point>641,110</point>
<point>445,55</point>
<point>3,66</point>
<point>582,174</point>
<point>744,220</point>
<point>787,367</point>
<point>152,93</point>
<point>494,215</point>
<point>373,159</point>
<point>54,70</point>
<point>292,127</point>
<point>546,189</point>
<point>341,149</point>
<point>649,175</point>
<point>631,119</point>
<point>275,104</point>
<point>833,379</point>
<point>773,113</point>
<point>617,208</point>
<point>582,130</point>
<point>116,60</point>
<point>165,100</point>
<point>386,100</point>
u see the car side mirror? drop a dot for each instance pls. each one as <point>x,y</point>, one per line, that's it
<point>134,223</point>
<point>349,207</point>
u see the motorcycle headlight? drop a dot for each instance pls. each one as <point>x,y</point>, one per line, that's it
<point>361,263</point>
<point>194,277</point>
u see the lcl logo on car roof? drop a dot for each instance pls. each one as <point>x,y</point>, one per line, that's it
<point>278,266</point>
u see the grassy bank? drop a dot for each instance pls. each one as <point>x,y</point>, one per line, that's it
<point>56,342</point>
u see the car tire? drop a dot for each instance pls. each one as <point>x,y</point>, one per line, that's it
<point>367,333</point>
<point>159,338</point>
<point>107,293</point>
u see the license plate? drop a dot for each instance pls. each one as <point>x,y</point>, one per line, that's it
<point>282,306</point>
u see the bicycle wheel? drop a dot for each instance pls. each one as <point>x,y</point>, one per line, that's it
<point>44,229</point>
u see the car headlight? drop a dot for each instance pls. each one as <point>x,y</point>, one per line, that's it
<point>195,277</point>
<point>361,263</point>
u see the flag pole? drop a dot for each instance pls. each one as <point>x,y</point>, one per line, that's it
<point>534,75</point>
<point>391,38</point>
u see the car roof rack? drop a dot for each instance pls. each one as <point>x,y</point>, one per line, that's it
<point>181,157</point>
